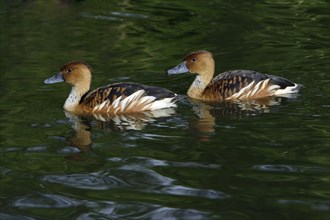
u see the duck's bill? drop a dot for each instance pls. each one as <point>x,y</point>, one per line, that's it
<point>181,68</point>
<point>55,79</point>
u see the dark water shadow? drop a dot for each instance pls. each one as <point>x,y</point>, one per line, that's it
<point>207,113</point>
<point>82,125</point>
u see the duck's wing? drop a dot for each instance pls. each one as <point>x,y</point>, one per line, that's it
<point>247,84</point>
<point>127,97</point>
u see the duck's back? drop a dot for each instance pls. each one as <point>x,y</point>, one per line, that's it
<point>247,84</point>
<point>127,97</point>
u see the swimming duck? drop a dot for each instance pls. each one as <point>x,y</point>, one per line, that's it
<point>115,98</point>
<point>230,85</point>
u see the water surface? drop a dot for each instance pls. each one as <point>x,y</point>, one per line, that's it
<point>198,161</point>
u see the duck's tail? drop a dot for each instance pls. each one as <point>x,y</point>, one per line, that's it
<point>288,90</point>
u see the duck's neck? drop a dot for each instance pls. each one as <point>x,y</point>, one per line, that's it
<point>200,83</point>
<point>75,95</point>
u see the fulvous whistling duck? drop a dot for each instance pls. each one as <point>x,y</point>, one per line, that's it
<point>115,98</point>
<point>230,85</point>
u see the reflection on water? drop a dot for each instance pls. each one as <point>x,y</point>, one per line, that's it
<point>134,121</point>
<point>208,112</point>
<point>204,124</point>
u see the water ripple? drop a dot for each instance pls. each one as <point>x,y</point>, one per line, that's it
<point>103,209</point>
<point>128,176</point>
<point>100,17</point>
<point>151,181</point>
<point>85,181</point>
<point>45,201</point>
<point>9,149</point>
<point>290,168</point>
<point>14,217</point>
<point>129,15</point>
<point>37,149</point>
<point>143,211</point>
<point>141,176</point>
<point>187,191</point>
<point>172,213</point>
<point>114,16</point>
<point>150,162</point>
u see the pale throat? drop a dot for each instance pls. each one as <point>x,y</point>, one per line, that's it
<point>197,87</point>
<point>74,97</point>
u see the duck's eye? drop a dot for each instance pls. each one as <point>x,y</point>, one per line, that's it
<point>69,70</point>
<point>193,59</point>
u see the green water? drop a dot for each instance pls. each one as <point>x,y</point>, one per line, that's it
<point>200,161</point>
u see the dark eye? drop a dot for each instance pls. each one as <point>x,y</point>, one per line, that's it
<point>193,59</point>
<point>69,70</point>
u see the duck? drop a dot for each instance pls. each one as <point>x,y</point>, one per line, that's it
<point>230,85</point>
<point>115,99</point>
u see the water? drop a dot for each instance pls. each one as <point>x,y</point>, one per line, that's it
<point>198,161</point>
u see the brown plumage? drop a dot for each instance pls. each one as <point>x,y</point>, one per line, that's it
<point>231,85</point>
<point>116,98</point>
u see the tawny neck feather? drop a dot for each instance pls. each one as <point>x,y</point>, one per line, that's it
<point>201,81</point>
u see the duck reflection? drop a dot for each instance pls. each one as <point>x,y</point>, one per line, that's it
<point>82,135</point>
<point>203,125</point>
<point>82,124</point>
<point>207,113</point>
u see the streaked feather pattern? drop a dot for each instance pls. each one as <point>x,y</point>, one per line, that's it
<point>245,84</point>
<point>127,97</point>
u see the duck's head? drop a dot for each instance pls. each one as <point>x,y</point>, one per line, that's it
<point>200,62</point>
<point>73,73</point>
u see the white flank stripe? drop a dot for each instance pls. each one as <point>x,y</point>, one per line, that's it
<point>116,102</point>
<point>256,88</point>
<point>238,94</point>
<point>136,95</point>
<point>137,99</point>
<point>248,94</point>
<point>96,108</point>
<point>250,85</point>
<point>264,84</point>
<point>272,89</point>
<point>123,104</point>
<point>147,99</point>
<point>247,88</point>
<point>103,104</point>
